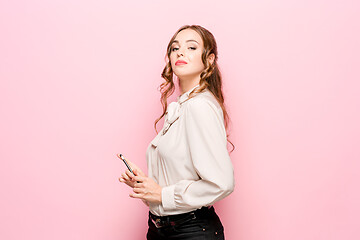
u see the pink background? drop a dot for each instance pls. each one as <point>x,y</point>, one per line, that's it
<point>79,84</point>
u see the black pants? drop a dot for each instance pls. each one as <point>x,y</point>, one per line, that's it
<point>206,225</point>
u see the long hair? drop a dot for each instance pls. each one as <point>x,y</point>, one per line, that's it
<point>210,77</point>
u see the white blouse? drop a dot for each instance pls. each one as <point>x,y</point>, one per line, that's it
<point>189,158</point>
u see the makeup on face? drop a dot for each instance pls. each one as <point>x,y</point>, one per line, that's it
<point>186,54</point>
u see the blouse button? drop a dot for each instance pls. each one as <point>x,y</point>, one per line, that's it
<point>215,233</point>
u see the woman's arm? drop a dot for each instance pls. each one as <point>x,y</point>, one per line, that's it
<point>206,136</point>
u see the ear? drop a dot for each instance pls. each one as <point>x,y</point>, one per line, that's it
<point>211,58</point>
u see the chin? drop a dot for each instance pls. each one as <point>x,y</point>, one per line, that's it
<point>186,74</point>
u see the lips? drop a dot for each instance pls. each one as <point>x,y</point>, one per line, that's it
<point>180,62</point>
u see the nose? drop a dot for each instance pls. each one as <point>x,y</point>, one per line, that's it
<point>180,53</point>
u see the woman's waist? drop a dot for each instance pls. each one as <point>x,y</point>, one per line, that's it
<point>175,215</point>
<point>159,212</point>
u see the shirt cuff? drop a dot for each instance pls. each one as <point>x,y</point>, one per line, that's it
<point>168,197</point>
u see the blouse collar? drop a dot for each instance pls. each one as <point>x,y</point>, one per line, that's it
<point>172,114</point>
<point>185,95</point>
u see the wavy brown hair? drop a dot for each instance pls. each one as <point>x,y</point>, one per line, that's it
<point>210,77</point>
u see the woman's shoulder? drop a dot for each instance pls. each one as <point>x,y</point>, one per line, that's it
<point>205,103</point>
<point>203,98</point>
<point>203,107</point>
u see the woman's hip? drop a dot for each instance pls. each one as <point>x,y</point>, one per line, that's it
<point>203,223</point>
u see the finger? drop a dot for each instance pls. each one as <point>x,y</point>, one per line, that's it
<point>121,179</point>
<point>138,190</point>
<point>135,195</point>
<point>138,172</point>
<point>129,174</point>
<point>138,185</point>
<point>126,177</point>
<point>129,183</point>
<point>139,178</point>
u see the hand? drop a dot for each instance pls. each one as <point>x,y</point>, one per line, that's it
<point>147,189</point>
<point>127,177</point>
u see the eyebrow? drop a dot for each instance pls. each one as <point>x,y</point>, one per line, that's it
<point>191,40</point>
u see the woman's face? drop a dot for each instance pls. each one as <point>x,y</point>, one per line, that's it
<point>187,46</point>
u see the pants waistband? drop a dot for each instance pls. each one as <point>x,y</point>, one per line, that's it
<point>176,219</point>
<point>198,212</point>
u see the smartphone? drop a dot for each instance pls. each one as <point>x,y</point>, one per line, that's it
<point>124,160</point>
<point>127,165</point>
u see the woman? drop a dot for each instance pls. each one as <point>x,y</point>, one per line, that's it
<point>189,167</point>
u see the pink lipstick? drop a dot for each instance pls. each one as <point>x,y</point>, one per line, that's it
<point>180,62</point>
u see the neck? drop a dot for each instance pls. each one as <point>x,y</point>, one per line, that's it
<point>187,84</point>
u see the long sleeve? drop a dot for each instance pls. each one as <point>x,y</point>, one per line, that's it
<point>206,138</point>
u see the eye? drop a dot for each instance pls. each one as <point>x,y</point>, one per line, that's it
<point>192,48</point>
